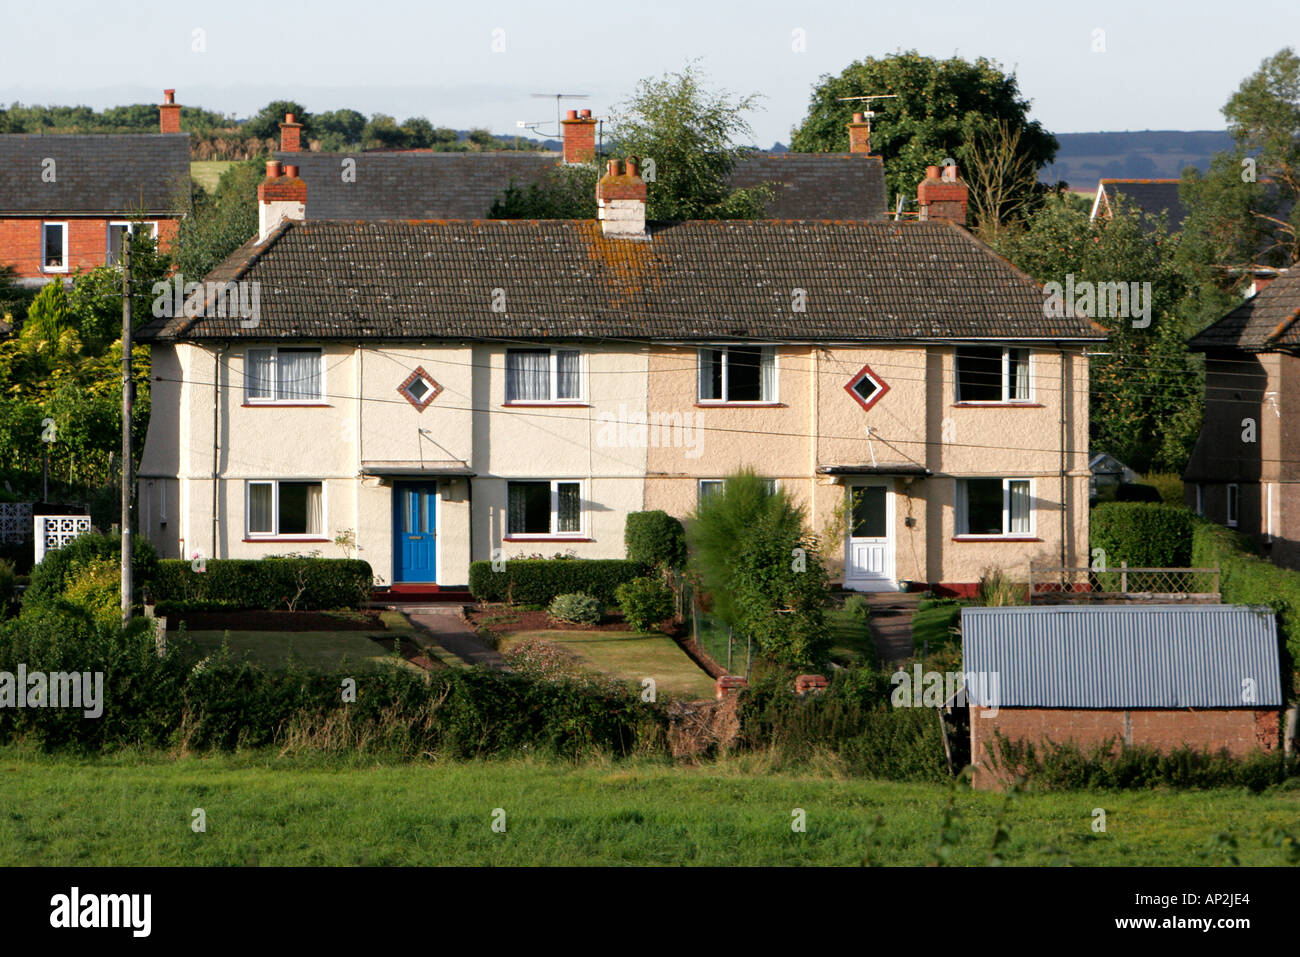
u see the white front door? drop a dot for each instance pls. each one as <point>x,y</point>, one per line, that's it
<point>869,558</point>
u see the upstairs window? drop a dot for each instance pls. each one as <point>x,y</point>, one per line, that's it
<point>117,233</point>
<point>738,374</point>
<point>54,247</point>
<point>283,375</point>
<point>992,374</point>
<point>543,375</point>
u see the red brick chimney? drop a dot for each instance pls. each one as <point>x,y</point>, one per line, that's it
<point>942,196</point>
<point>282,195</point>
<point>620,201</point>
<point>579,137</point>
<point>290,135</point>
<point>169,113</point>
<point>859,135</point>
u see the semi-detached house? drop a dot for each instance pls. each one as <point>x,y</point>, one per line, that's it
<point>457,390</point>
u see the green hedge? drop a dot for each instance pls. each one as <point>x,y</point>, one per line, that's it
<point>266,583</point>
<point>655,539</point>
<point>538,581</point>
<point>1146,535</point>
<point>59,568</point>
<point>1247,579</point>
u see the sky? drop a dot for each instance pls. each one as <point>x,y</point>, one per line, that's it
<point>1105,65</point>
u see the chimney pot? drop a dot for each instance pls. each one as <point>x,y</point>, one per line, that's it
<point>585,114</point>
<point>932,172</point>
<point>272,169</point>
<point>169,96</point>
<point>950,173</point>
<point>857,118</point>
<point>291,170</point>
<point>631,167</point>
<point>288,117</point>
<point>613,167</point>
<point>578,134</point>
<point>571,115</point>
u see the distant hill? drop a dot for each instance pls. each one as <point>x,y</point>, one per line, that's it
<point>1085,158</point>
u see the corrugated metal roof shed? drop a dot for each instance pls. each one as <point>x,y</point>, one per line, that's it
<point>1125,656</point>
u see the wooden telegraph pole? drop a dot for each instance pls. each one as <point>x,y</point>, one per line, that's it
<point>127,401</point>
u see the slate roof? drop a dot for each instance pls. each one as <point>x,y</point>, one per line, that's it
<point>1154,196</point>
<point>687,281</point>
<point>94,174</point>
<point>1124,656</point>
<point>1266,322</point>
<point>420,185</point>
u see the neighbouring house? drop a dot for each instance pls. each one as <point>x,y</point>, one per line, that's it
<point>67,200</point>
<point>1245,469</point>
<point>458,391</point>
<point>1154,197</point>
<point>1157,676</point>
<point>1108,471</point>
<point>422,184</point>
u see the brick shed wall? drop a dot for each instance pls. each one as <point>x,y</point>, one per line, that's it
<point>1240,730</point>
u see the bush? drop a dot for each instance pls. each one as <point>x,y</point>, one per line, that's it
<point>51,578</point>
<point>858,606</point>
<point>97,587</point>
<point>655,539</point>
<point>538,581</point>
<point>266,583</point>
<point>577,608</point>
<point>995,588</point>
<point>780,588</point>
<point>1169,485</point>
<point>645,602</point>
<point>1144,535</point>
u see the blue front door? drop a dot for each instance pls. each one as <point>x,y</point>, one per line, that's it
<point>415,533</point>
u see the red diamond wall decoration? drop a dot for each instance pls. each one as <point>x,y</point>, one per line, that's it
<point>419,389</point>
<point>866,387</point>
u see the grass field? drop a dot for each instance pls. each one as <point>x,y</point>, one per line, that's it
<point>630,656</point>
<point>207,173</point>
<point>260,809</point>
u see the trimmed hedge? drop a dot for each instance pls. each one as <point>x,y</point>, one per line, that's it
<point>1144,535</point>
<point>538,581</point>
<point>59,568</point>
<point>265,583</point>
<point>1247,579</point>
<point>655,539</point>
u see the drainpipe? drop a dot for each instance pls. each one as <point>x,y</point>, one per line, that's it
<point>1065,521</point>
<point>216,398</point>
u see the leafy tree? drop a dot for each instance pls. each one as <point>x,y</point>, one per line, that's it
<point>96,297</point>
<point>219,223</point>
<point>943,108</point>
<point>347,125</point>
<point>483,139</point>
<point>417,133</point>
<point>382,132</point>
<point>49,316</point>
<point>565,192</point>
<point>266,123</point>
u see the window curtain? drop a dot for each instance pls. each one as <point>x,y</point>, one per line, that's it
<point>259,508</point>
<point>299,374</point>
<point>528,375</point>
<point>568,507</point>
<point>315,497</point>
<point>259,373</point>
<point>567,384</point>
<point>1019,506</point>
<point>1019,361</point>
<point>767,365</point>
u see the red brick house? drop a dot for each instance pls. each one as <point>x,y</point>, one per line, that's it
<point>67,200</point>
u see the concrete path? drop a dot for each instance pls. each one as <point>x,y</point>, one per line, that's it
<point>444,625</point>
<point>891,624</point>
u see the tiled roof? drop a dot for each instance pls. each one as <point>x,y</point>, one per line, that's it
<point>687,281</point>
<point>109,174</point>
<point>1266,322</point>
<point>420,185</point>
<point>1155,196</point>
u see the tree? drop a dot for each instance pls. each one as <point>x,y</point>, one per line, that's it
<point>266,123</point>
<point>219,223</point>
<point>382,132</point>
<point>941,107</point>
<point>96,298</point>
<point>418,133</point>
<point>347,125</point>
<point>1004,180</point>
<point>565,192</point>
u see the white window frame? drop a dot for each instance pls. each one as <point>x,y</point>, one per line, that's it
<point>1007,397</point>
<point>962,519</point>
<point>555,510</point>
<point>725,349</point>
<point>1232,514</point>
<point>62,224</point>
<point>554,387</point>
<point>275,510</point>
<point>130,231</point>
<point>275,384</point>
<point>722,482</point>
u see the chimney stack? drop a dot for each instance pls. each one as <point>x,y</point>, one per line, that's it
<point>859,134</point>
<point>942,196</point>
<point>620,201</point>
<point>169,113</point>
<point>290,135</point>
<point>579,134</point>
<point>282,195</point>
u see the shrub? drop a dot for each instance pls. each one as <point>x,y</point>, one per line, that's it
<point>537,581</point>
<point>645,602</point>
<point>780,588</point>
<point>57,570</point>
<point>655,539</point>
<point>7,581</point>
<point>97,587</point>
<point>266,583</point>
<point>577,608</point>
<point>1144,535</point>
<point>858,606</point>
<point>995,588</point>
<point>1169,485</point>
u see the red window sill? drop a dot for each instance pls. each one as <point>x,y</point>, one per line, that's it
<point>548,538</point>
<point>998,405</point>
<point>286,405</point>
<point>995,539</point>
<point>740,405</point>
<point>281,541</point>
<point>545,405</point>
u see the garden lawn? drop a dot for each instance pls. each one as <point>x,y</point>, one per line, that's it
<point>628,655</point>
<point>207,173</point>
<point>932,627</point>
<point>851,641</point>
<point>322,650</point>
<point>135,809</point>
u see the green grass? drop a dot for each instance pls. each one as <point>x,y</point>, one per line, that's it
<point>851,641</point>
<point>934,625</point>
<point>134,809</point>
<point>325,650</point>
<point>629,655</point>
<point>207,173</point>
